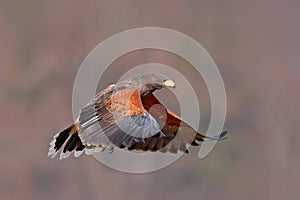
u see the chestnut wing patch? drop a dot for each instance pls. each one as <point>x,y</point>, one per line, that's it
<point>118,120</point>
<point>177,133</point>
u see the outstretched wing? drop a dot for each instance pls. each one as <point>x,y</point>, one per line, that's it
<point>170,125</point>
<point>116,118</point>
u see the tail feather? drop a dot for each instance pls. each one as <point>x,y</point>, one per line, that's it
<point>222,136</point>
<point>201,138</point>
<point>66,141</point>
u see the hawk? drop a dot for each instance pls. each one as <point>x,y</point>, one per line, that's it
<point>127,115</point>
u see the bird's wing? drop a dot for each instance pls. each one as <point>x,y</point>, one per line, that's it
<point>116,118</point>
<point>170,125</point>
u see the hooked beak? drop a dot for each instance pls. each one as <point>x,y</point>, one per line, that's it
<point>169,83</point>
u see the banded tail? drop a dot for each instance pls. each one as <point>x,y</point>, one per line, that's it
<point>66,141</point>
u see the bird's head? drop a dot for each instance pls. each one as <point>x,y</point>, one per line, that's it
<point>148,83</point>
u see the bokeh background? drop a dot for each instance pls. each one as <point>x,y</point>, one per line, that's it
<point>255,45</point>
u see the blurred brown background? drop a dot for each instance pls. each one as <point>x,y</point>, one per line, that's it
<point>256,47</point>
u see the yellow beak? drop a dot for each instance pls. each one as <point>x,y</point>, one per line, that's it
<point>169,83</point>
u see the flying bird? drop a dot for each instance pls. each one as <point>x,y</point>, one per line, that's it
<point>127,115</point>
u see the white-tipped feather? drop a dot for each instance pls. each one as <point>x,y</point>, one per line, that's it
<point>52,142</point>
<point>64,155</point>
<point>54,154</point>
<point>88,152</point>
<point>56,135</point>
<point>51,152</point>
<point>77,153</point>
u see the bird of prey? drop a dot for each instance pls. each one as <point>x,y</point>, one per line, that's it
<point>127,115</point>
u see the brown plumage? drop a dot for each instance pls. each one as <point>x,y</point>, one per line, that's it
<point>128,116</point>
